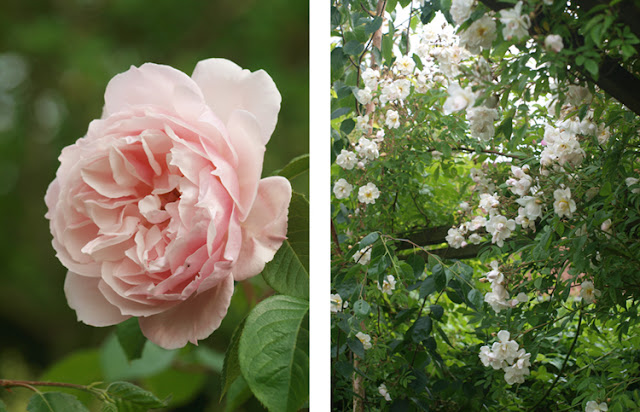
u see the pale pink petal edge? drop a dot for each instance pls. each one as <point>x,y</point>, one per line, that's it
<point>90,305</point>
<point>193,320</point>
<point>265,228</point>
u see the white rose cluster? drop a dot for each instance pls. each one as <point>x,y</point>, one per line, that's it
<point>461,10</point>
<point>507,355</point>
<point>455,238</point>
<point>593,406</point>
<point>368,193</point>
<point>367,149</point>
<point>498,297</point>
<point>365,339</point>
<point>388,285</point>
<point>588,292</point>
<point>516,24</point>
<point>456,235</point>
<point>449,59</point>
<point>520,183</point>
<point>481,120</point>
<point>346,159</point>
<point>561,147</point>
<point>458,98</point>
<point>480,35</point>
<point>363,256</point>
<point>632,181</point>
<point>483,184</point>
<point>337,304</point>
<point>563,205</point>
<point>342,189</point>
<point>500,228</point>
<point>382,389</point>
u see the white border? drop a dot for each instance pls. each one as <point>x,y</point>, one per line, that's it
<point>319,190</point>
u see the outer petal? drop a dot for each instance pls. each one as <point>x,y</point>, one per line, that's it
<point>265,228</point>
<point>227,87</point>
<point>194,319</point>
<point>90,305</point>
<point>156,85</point>
<point>244,133</point>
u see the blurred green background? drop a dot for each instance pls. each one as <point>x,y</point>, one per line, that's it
<point>56,58</point>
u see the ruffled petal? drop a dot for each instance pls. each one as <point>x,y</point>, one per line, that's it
<point>90,305</point>
<point>192,320</point>
<point>227,87</point>
<point>265,228</point>
<point>244,133</point>
<point>154,85</point>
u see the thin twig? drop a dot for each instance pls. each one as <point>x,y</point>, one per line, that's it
<point>564,364</point>
<point>8,383</point>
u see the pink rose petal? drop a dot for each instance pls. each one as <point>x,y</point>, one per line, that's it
<point>90,305</point>
<point>265,228</point>
<point>160,207</point>
<point>227,87</point>
<point>190,321</point>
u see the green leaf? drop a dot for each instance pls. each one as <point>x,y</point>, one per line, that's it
<point>421,329</point>
<point>475,298</point>
<point>286,273</point>
<point>368,240</point>
<point>440,277</point>
<point>605,190</point>
<point>298,227</point>
<point>274,352</point>
<point>373,25</point>
<point>361,308</point>
<point>353,47</point>
<point>437,311</point>
<point>178,386</point>
<point>507,127</point>
<point>356,347</point>
<point>347,125</point>
<point>443,336</point>
<point>115,365</point>
<point>3,407</point>
<point>109,407</point>
<point>340,112</point>
<point>231,368</point>
<point>391,5</point>
<point>559,228</point>
<point>592,67</point>
<point>129,393</point>
<point>131,338</point>
<point>237,395</point>
<point>297,166</point>
<point>335,17</point>
<point>417,264</point>
<point>427,287</point>
<point>387,48</point>
<point>55,402</point>
<point>338,60</point>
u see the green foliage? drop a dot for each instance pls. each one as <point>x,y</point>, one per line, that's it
<point>297,166</point>
<point>416,313</point>
<point>231,369</point>
<point>131,338</point>
<point>70,51</point>
<point>55,402</point>
<point>286,273</point>
<point>129,397</point>
<point>115,364</point>
<point>273,352</point>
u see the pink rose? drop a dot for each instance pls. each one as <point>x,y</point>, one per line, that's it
<point>160,207</point>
